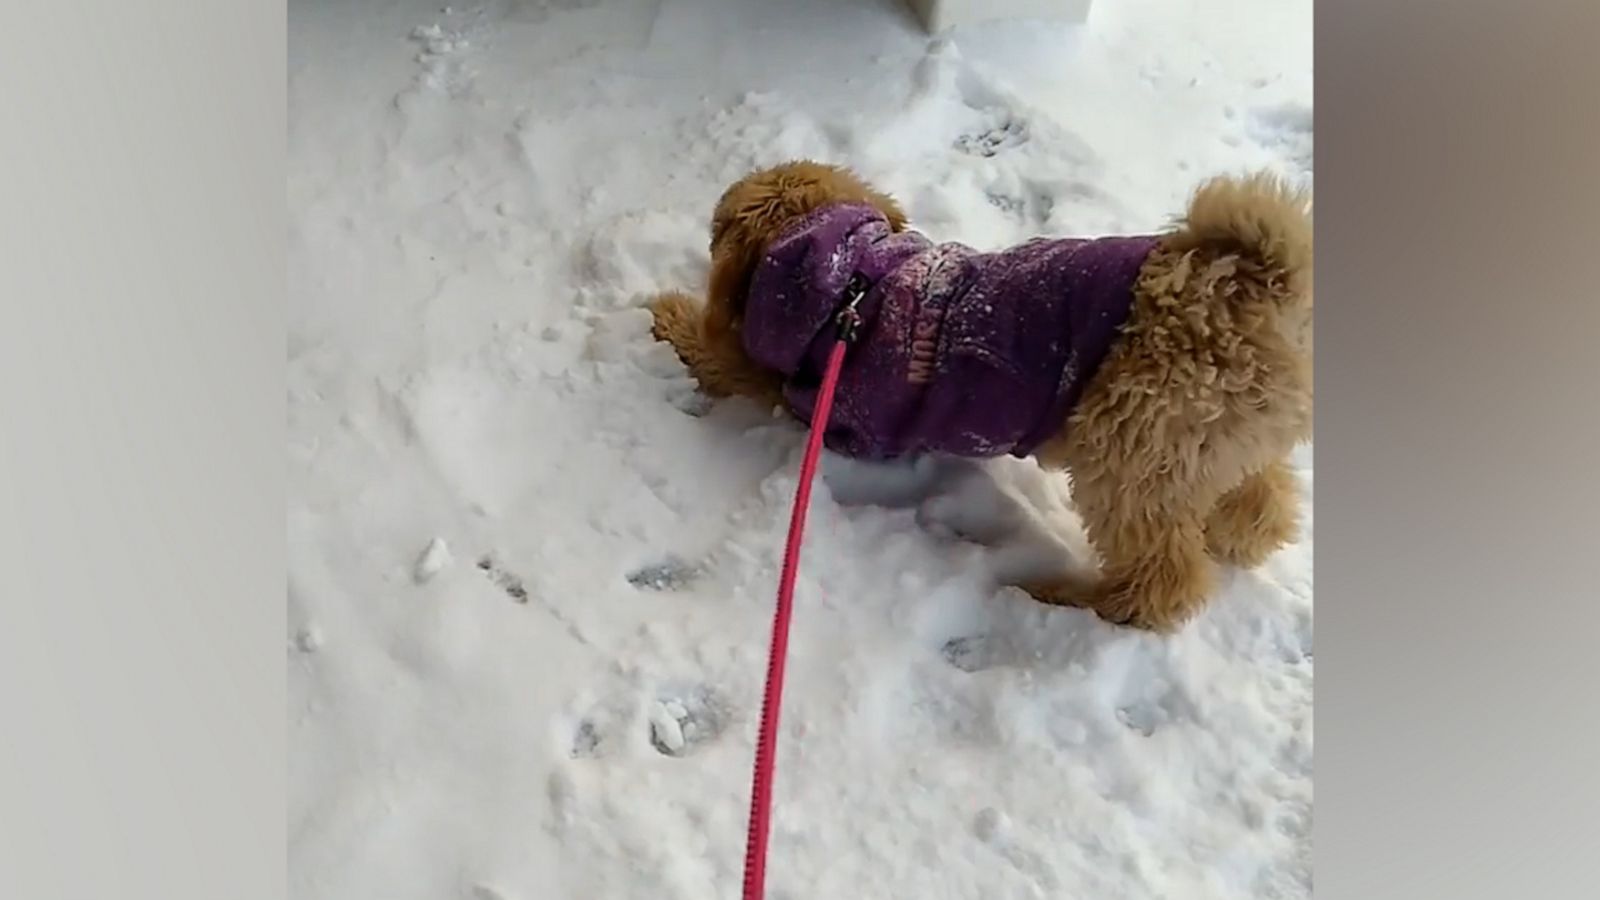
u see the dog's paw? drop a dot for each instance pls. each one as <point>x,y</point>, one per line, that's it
<point>1115,607</point>
<point>1050,593</point>
<point>674,315</point>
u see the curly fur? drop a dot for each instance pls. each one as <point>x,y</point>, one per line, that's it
<point>1176,451</point>
<point>749,214</point>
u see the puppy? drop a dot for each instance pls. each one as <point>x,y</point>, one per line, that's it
<point>1169,375</point>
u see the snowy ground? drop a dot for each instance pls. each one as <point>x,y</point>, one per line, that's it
<point>531,576</point>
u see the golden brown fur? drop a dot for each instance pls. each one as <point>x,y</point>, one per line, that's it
<point>749,214</point>
<point>1177,448</point>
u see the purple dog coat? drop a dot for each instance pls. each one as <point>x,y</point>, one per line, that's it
<point>959,352</point>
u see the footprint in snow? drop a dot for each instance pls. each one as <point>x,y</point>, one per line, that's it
<point>671,574</point>
<point>682,722</point>
<point>994,829</point>
<point>1006,133</point>
<point>969,653</point>
<point>1141,718</point>
<point>505,581</point>
<point>1156,705</point>
<point>989,650</point>
<point>1032,207</point>
<point>586,741</point>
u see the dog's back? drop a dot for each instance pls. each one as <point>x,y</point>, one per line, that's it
<point>961,352</point>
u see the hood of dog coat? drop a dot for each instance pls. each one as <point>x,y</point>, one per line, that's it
<point>960,352</point>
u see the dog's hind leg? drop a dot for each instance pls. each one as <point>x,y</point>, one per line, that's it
<point>1155,572</point>
<point>1256,518</point>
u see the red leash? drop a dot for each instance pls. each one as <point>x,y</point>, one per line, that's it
<point>755,857</point>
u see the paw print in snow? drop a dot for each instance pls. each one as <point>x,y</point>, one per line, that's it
<point>1008,132</point>
<point>969,653</point>
<point>586,742</point>
<point>505,581</point>
<point>670,574</point>
<point>678,725</point>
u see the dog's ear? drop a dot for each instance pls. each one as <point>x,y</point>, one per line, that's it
<point>733,261</point>
<point>735,205</point>
<point>720,222</point>
<point>891,210</point>
<point>837,183</point>
<point>752,212</point>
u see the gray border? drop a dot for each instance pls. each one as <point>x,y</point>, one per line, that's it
<point>141,557</point>
<point>141,451</point>
<point>1457,417</point>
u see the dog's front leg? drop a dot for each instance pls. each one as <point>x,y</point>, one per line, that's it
<point>710,348</point>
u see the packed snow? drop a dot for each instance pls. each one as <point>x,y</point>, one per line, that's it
<point>532,570</point>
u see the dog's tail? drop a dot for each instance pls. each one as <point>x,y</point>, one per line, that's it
<point>1260,217</point>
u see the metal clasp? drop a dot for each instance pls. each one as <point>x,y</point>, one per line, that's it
<point>849,317</point>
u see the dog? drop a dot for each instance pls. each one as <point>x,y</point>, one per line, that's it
<point>1169,376</point>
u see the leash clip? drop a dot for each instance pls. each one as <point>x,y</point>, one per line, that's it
<point>849,317</point>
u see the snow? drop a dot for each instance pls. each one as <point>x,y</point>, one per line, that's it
<point>433,559</point>
<point>481,197</point>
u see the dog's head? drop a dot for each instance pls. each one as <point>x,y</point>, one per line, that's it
<point>753,212</point>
